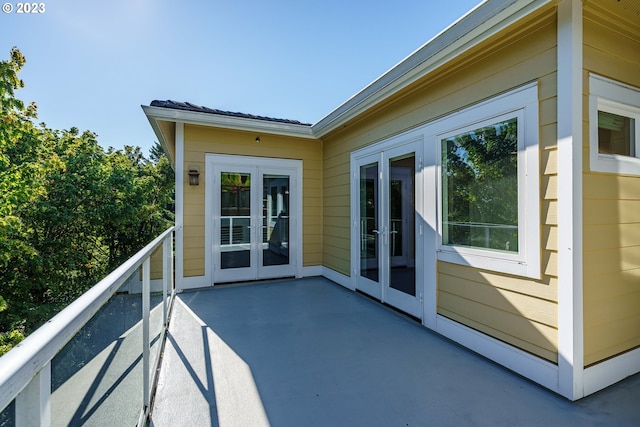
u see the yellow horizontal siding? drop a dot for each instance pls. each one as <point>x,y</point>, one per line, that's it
<point>156,263</point>
<point>606,344</point>
<point>524,344</point>
<point>549,162</point>
<point>168,130</point>
<point>549,187</point>
<point>336,259</point>
<point>533,337</point>
<point>626,286</point>
<point>611,236</point>
<point>607,48</point>
<point>200,140</point>
<point>550,238</point>
<point>544,289</point>
<point>550,212</point>
<point>520,311</point>
<point>549,136</point>
<point>603,211</point>
<point>609,260</point>
<point>516,303</point>
<point>611,203</point>
<point>550,263</point>
<point>611,187</point>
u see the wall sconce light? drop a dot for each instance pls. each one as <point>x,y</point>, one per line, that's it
<point>257,139</point>
<point>194,175</point>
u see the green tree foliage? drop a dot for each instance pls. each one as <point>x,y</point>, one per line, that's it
<point>70,211</point>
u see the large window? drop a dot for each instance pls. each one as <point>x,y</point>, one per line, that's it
<point>614,116</point>
<point>480,187</point>
<point>489,208</point>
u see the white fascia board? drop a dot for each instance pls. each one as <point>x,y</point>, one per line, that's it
<point>228,122</point>
<point>482,22</point>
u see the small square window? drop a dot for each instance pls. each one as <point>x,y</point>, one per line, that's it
<point>614,116</point>
<point>616,134</point>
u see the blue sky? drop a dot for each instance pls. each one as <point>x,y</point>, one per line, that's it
<point>91,64</point>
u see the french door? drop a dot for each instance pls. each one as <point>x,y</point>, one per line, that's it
<point>385,238</point>
<point>255,217</point>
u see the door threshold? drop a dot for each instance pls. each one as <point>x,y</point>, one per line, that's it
<point>389,306</point>
<point>255,281</point>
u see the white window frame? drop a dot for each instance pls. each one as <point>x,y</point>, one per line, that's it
<point>523,104</point>
<point>617,98</point>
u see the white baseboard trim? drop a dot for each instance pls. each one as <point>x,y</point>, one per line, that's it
<point>532,367</point>
<point>311,271</point>
<point>195,282</point>
<point>611,371</point>
<point>339,278</point>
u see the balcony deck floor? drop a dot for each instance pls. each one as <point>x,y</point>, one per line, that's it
<point>311,353</point>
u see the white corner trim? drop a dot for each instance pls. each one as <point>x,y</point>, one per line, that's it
<point>570,121</point>
<point>339,278</point>
<point>179,207</point>
<point>530,366</point>
<point>611,371</point>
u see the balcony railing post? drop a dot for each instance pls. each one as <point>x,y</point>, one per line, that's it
<point>166,275</point>
<point>146,286</point>
<point>33,404</point>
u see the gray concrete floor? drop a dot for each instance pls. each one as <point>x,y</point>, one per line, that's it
<point>311,353</point>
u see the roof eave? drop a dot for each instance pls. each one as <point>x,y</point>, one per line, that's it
<point>153,121</point>
<point>228,122</point>
<point>480,23</point>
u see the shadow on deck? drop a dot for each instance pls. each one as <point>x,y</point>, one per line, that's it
<point>311,353</point>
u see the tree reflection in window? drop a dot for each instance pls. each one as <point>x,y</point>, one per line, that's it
<point>480,188</point>
<point>235,190</point>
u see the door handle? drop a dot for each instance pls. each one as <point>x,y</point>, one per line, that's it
<point>384,234</point>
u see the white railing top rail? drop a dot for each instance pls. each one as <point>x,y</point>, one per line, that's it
<point>23,362</point>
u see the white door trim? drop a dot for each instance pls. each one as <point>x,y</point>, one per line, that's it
<point>380,153</point>
<point>289,166</point>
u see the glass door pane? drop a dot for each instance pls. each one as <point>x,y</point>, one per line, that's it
<point>369,231</point>
<point>275,219</point>
<point>402,275</point>
<point>235,220</point>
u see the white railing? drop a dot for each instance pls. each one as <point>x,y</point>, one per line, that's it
<point>244,228</point>
<point>486,229</point>
<point>25,371</point>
